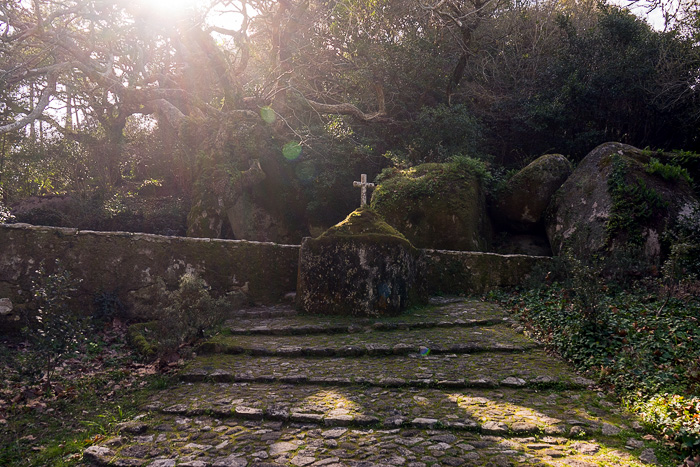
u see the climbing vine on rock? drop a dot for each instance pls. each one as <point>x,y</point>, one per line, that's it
<point>633,204</point>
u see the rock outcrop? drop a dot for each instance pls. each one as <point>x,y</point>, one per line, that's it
<point>614,199</point>
<point>360,267</point>
<point>520,206</point>
<point>440,206</point>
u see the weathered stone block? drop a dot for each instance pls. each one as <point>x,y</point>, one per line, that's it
<point>362,267</point>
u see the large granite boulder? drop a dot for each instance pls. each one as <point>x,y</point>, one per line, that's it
<point>261,203</point>
<point>617,198</point>
<point>438,206</point>
<point>360,267</point>
<point>521,204</point>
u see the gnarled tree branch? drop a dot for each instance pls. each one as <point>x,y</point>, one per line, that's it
<point>38,110</point>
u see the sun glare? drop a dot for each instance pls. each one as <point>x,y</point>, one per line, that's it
<point>169,8</point>
<point>222,14</point>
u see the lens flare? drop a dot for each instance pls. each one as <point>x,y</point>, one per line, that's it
<point>292,150</point>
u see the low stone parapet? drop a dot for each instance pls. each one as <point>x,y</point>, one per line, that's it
<point>464,272</point>
<point>128,266</point>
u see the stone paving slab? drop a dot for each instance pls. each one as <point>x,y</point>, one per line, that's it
<point>513,410</point>
<point>161,440</point>
<point>519,369</point>
<point>438,340</point>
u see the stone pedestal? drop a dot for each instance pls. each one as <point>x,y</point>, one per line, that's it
<point>360,267</point>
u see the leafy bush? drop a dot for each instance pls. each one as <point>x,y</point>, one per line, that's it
<point>683,263</point>
<point>471,165</point>
<point>677,417</point>
<point>54,329</point>
<point>639,338</point>
<point>5,214</point>
<point>633,204</point>
<point>185,314</point>
<point>107,306</point>
<point>43,216</point>
<point>442,132</point>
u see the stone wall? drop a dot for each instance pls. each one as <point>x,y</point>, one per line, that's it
<point>128,265</point>
<point>457,272</point>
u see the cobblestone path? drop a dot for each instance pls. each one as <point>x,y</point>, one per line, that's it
<point>454,384</point>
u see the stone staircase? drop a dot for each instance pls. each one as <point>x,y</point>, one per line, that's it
<point>453,384</point>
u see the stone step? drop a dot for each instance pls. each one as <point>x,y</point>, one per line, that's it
<point>504,411</point>
<point>283,328</point>
<point>166,440</point>
<point>455,340</point>
<point>449,385</point>
<point>532,368</point>
<point>263,312</point>
<point>284,320</point>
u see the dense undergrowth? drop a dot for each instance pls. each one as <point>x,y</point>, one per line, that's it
<point>92,390</point>
<point>640,338</point>
<point>68,380</point>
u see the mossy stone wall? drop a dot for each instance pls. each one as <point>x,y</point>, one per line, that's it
<point>459,272</point>
<point>129,265</point>
<point>358,276</point>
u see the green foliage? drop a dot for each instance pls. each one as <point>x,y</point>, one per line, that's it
<point>185,314</point>
<point>44,216</point>
<point>676,416</point>
<point>441,133</point>
<point>668,172</point>
<point>107,306</point>
<point>54,328</point>
<point>633,204</point>
<point>6,216</point>
<point>606,79</point>
<point>641,338</point>
<point>683,263</point>
<point>476,167</point>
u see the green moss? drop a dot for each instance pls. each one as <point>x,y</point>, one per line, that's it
<point>420,181</point>
<point>141,337</point>
<point>362,222</point>
<point>439,206</point>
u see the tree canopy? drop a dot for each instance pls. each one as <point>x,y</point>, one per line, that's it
<point>269,108</point>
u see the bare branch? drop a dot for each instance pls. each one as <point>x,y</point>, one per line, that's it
<point>349,109</point>
<point>38,110</point>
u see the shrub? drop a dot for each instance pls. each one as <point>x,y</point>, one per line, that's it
<point>668,172</point>
<point>53,328</point>
<point>635,336</point>
<point>44,216</point>
<point>633,204</point>
<point>5,215</point>
<point>185,314</point>
<point>442,132</point>
<point>677,417</point>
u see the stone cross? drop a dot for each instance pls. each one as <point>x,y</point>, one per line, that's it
<point>363,187</point>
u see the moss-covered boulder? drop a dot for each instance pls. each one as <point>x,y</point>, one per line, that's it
<point>360,267</point>
<point>521,204</point>
<point>439,206</point>
<point>246,189</point>
<point>618,197</point>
